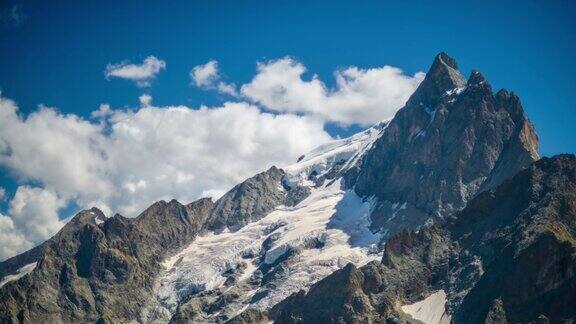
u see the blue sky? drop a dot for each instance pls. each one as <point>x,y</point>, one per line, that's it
<point>56,53</point>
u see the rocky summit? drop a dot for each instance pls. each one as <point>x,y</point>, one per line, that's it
<point>445,213</point>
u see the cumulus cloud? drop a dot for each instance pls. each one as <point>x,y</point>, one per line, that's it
<point>102,112</point>
<point>32,218</point>
<point>142,74</point>
<point>34,212</point>
<point>139,156</point>
<point>206,76</point>
<point>12,241</point>
<point>227,88</point>
<point>122,160</point>
<point>361,96</point>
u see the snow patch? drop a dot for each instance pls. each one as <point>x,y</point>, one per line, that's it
<point>19,273</point>
<point>431,310</point>
<point>347,151</point>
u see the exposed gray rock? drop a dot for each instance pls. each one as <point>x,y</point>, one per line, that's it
<point>522,234</point>
<point>253,199</point>
<point>452,140</point>
<point>496,314</point>
<point>503,250</point>
<point>92,272</point>
<point>250,316</point>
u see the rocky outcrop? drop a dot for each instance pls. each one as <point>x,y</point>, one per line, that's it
<point>452,140</point>
<point>92,271</point>
<point>508,257</point>
<point>253,199</point>
<point>412,267</point>
<point>524,234</point>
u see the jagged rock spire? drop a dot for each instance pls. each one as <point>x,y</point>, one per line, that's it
<point>476,78</point>
<point>442,76</point>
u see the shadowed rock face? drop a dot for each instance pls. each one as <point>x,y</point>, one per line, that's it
<point>509,256</point>
<point>524,234</point>
<point>91,272</point>
<point>452,140</point>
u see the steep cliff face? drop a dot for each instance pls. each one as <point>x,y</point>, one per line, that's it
<point>509,256</point>
<point>453,139</point>
<point>524,233</point>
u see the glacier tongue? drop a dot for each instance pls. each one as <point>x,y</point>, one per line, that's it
<point>307,242</point>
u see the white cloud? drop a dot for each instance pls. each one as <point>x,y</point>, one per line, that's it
<point>142,74</point>
<point>126,159</point>
<point>34,212</point>
<point>32,218</point>
<point>206,76</point>
<point>102,112</point>
<point>12,241</point>
<point>140,156</point>
<point>361,96</point>
<point>2,193</point>
<point>227,88</point>
<point>145,100</point>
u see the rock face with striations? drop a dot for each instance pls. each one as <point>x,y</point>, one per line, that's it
<point>453,139</point>
<point>509,256</point>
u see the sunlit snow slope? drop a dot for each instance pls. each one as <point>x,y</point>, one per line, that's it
<point>431,310</point>
<point>286,251</point>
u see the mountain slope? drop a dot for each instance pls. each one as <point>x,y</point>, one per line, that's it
<point>509,256</point>
<point>94,270</point>
<point>292,246</point>
<point>452,140</point>
<point>283,230</point>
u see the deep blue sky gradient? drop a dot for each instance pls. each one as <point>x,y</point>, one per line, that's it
<point>58,54</point>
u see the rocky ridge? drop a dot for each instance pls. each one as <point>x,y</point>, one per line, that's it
<point>509,256</point>
<point>452,140</point>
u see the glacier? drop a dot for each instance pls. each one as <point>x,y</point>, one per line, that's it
<point>321,234</point>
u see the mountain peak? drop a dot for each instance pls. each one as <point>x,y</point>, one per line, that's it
<point>476,78</point>
<point>444,59</point>
<point>442,76</point>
